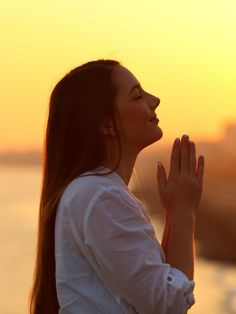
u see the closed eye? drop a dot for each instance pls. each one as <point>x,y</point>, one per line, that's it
<point>141,96</point>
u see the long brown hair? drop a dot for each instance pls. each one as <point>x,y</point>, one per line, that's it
<point>73,144</point>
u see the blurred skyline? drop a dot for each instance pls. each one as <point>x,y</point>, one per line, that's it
<point>181,51</point>
<point>224,145</point>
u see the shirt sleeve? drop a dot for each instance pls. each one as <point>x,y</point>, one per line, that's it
<point>130,257</point>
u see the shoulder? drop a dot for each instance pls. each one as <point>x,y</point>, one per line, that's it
<point>87,191</point>
<point>83,186</point>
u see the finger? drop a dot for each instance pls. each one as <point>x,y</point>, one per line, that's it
<point>184,158</point>
<point>161,177</point>
<point>200,170</point>
<point>175,159</point>
<point>192,158</point>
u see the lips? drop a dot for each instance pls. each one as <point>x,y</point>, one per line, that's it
<point>154,119</point>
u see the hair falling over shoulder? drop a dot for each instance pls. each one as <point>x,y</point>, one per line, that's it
<point>73,144</point>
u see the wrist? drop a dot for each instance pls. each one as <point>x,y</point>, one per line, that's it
<point>182,211</point>
<point>186,217</point>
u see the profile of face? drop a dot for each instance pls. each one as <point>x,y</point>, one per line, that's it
<point>136,107</point>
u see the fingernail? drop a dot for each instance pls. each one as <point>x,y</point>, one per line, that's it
<point>185,138</point>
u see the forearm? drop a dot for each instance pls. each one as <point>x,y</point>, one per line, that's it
<point>180,248</point>
<point>165,237</point>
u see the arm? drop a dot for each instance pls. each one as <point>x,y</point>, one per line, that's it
<point>180,196</point>
<point>123,244</point>
<point>180,249</point>
<point>165,237</point>
<point>175,245</point>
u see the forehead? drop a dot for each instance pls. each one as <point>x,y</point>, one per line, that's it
<point>124,79</point>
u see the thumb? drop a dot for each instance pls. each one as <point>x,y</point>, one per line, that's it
<point>200,170</point>
<point>161,177</point>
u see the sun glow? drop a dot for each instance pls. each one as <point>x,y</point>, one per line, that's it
<point>182,51</point>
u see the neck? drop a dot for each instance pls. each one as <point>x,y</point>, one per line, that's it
<point>125,167</point>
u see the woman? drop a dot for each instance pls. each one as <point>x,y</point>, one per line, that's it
<point>97,251</point>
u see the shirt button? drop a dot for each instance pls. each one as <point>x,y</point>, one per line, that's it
<point>169,278</point>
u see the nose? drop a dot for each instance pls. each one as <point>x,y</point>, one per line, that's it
<point>155,103</point>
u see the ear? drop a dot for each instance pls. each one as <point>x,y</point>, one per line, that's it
<point>107,128</point>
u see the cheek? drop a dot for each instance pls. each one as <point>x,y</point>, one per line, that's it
<point>135,122</point>
<point>136,115</point>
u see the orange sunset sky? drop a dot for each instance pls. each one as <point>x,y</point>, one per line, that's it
<point>183,51</point>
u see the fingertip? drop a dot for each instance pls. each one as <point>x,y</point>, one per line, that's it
<point>161,178</point>
<point>192,145</point>
<point>176,143</point>
<point>201,159</point>
<point>185,137</point>
<point>159,169</point>
<point>201,167</point>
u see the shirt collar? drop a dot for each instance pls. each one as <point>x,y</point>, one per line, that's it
<point>114,176</point>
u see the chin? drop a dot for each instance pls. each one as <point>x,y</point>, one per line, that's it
<point>157,136</point>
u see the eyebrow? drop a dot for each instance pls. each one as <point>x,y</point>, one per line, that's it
<point>135,86</point>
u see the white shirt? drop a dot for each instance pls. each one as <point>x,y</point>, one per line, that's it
<point>117,232</point>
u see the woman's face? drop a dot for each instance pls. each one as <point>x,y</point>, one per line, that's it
<point>136,108</point>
